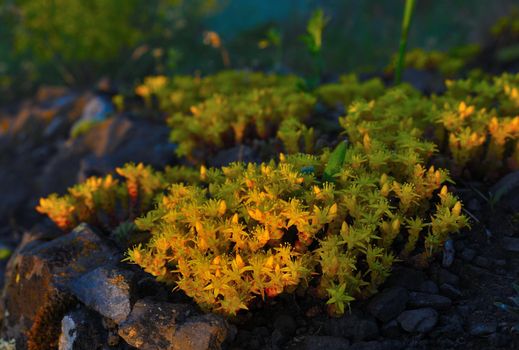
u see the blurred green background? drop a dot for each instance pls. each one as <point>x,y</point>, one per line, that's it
<point>77,42</point>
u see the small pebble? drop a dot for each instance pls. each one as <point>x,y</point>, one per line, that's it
<point>450,291</point>
<point>482,328</point>
<point>445,276</point>
<point>429,287</point>
<point>468,254</point>
<point>482,262</point>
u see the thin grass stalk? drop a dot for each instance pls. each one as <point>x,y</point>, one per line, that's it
<point>406,22</point>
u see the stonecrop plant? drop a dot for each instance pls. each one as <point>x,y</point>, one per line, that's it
<point>223,121</point>
<point>480,120</point>
<point>229,108</point>
<point>331,224</point>
<point>106,202</point>
<point>348,89</point>
<point>449,64</point>
<point>474,124</point>
<point>180,92</point>
<point>252,231</point>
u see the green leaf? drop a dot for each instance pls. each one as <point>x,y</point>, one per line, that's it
<point>335,162</point>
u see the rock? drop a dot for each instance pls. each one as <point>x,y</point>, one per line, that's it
<point>507,190</point>
<point>448,253</point>
<point>61,170</point>
<point>406,277</point>
<point>482,328</point>
<point>419,320</point>
<point>106,290</point>
<point>284,328</point>
<point>510,244</point>
<point>391,329</point>
<point>445,276</point>
<point>35,298</point>
<point>449,326</point>
<point>367,329</point>
<point>450,291</point>
<point>459,245</point>
<point>429,287</point>
<point>156,325</point>
<point>389,303</point>
<point>474,205</point>
<point>242,337</point>
<point>99,108</point>
<point>483,262</point>
<point>286,324</point>
<point>500,340</point>
<point>15,188</point>
<point>313,342</point>
<point>352,325</point>
<point>120,140</point>
<point>468,254</point>
<point>500,262</point>
<point>465,310</point>
<point>81,330</point>
<point>424,300</point>
<point>100,150</point>
<point>378,345</point>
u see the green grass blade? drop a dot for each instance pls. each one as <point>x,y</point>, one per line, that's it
<point>406,22</point>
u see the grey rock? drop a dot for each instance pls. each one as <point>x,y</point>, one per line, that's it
<point>156,325</point>
<point>510,244</point>
<point>465,310</point>
<point>389,303</point>
<point>36,278</point>
<point>448,253</point>
<point>284,328</point>
<point>419,320</point>
<point>482,328</point>
<point>450,291</point>
<point>429,287</point>
<point>449,326</point>
<point>507,190</point>
<point>99,108</point>
<point>378,345</point>
<point>483,262</point>
<point>352,325</point>
<point>108,145</point>
<point>500,262</point>
<point>445,276</point>
<point>285,323</point>
<point>423,300</point>
<point>500,340</point>
<point>468,254</point>
<point>391,329</point>
<point>407,278</point>
<point>120,140</point>
<point>367,329</point>
<point>15,188</point>
<point>106,290</point>
<point>314,342</point>
<point>81,330</point>
<point>459,245</point>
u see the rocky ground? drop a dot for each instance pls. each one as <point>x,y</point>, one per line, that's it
<point>73,292</point>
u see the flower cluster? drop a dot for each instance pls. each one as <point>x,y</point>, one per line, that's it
<point>107,201</point>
